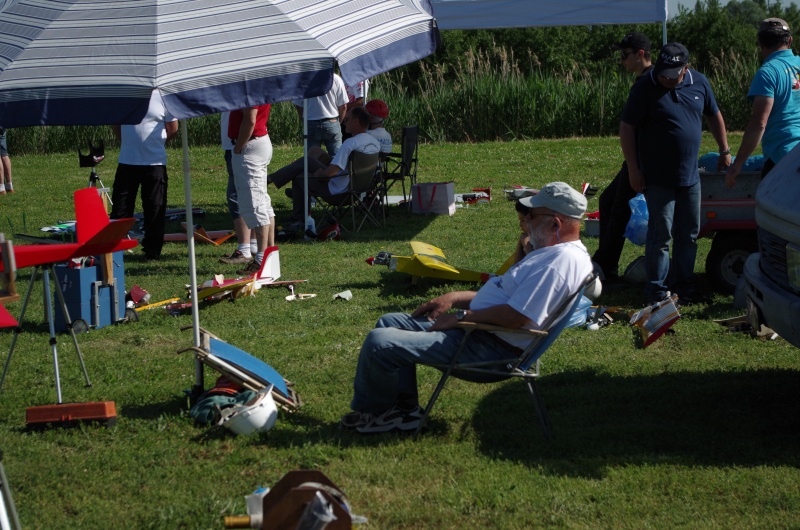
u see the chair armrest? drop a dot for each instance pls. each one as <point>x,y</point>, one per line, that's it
<point>492,327</point>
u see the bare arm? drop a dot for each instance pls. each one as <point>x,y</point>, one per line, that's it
<point>342,112</point>
<point>245,129</point>
<point>627,140</point>
<point>172,129</point>
<point>717,126</point>
<point>442,304</point>
<point>762,106</point>
<point>499,315</point>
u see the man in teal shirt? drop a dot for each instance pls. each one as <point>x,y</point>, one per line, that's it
<point>775,93</point>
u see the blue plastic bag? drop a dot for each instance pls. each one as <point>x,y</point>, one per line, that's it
<point>578,317</point>
<point>636,231</point>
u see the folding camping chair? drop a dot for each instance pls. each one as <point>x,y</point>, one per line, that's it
<point>526,366</point>
<point>363,197</point>
<point>249,371</point>
<point>402,165</point>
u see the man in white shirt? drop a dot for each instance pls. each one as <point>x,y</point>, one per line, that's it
<point>325,115</point>
<point>326,181</point>
<point>143,161</point>
<point>385,386</point>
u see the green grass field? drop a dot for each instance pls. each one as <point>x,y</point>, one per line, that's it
<point>700,430</point>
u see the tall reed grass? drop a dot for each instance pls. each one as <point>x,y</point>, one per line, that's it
<point>484,97</point>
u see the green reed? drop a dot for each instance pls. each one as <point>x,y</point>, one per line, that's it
<point>485,96</point>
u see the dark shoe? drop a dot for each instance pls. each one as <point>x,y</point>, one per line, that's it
<point>235,258</point>
<point>393,420</point>
<point>355,419</point>
<point>252,268</point>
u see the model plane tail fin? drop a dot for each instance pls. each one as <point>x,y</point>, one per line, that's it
<point>90,214</point>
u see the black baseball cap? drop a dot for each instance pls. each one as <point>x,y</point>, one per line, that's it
<point>634,41</point>
<point>671,59</point>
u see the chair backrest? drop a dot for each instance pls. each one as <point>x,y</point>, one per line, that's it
<point>554,325</point>
<point>410,143</point>
<point>362,171</point>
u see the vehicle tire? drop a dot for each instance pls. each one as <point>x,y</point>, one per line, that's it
<point>725,261</point>
<point>131,315</point>
<point>80,326</point>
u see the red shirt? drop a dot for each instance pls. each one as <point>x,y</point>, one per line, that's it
<point>262,116</point>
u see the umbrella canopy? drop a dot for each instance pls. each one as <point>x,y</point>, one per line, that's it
<point>94,62</point>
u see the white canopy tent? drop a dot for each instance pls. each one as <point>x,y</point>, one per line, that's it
<point>495,14</point>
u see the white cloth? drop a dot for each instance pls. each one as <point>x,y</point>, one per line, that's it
<point>537,285</point>
<point>383,137</point>
<point>224,119</point>
<point>143,144</point>
<point>359,91</point>
<point>363,143</point>
<point>327,105</point>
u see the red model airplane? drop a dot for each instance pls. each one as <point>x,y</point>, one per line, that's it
<point>96,235</point>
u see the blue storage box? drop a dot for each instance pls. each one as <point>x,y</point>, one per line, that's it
<point>87,298</point>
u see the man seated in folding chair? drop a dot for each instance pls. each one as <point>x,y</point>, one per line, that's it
<point>385,388</point>
<point>327,181</point>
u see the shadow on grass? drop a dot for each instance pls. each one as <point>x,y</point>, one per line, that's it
<point>708,419</point>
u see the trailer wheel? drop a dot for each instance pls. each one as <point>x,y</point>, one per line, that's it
<point>80,326</point>
<point>725,261</point>
<point>131,315</point>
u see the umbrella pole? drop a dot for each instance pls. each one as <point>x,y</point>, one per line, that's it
<point>305,163</point>
<point>199,382</point>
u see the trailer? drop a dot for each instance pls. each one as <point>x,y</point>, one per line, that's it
<point>728,215</point>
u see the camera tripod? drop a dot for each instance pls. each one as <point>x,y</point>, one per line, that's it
<point>47,276</point>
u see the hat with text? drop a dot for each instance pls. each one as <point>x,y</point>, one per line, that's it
<point>633,41</point>
<point>671,59</point>
<point>774,25</point>
<point>559,197</point>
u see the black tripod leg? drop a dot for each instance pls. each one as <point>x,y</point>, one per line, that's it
<point>18,328</point>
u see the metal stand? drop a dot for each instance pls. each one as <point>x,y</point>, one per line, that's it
<point>47,271</point>
<point>8,512</point>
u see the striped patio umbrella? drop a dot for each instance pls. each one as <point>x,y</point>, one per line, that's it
<point>95,62</point>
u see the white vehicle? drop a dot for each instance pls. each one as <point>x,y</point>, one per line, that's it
<point>772,276</point>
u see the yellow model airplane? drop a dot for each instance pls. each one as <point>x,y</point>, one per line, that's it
<point>429,261</point>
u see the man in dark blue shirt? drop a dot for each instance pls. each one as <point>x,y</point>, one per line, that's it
<point>667,107</point>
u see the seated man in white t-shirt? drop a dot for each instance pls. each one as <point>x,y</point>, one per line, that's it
<point>327,181</point>
<point>379,111</point>
<point>385,385</point>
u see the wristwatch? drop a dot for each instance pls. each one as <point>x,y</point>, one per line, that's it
<point>725,152</point>
<point>460,314</point>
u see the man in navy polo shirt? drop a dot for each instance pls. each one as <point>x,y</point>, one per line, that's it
<point>666,106</point>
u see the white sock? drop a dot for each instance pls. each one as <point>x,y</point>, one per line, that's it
<point>259,257</point>
<point>245,250</point>
<point>253,246</point>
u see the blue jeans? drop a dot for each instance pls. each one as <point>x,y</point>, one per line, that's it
<point>387,362</point>
<point>327,132</point>
<point>674,216</point>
